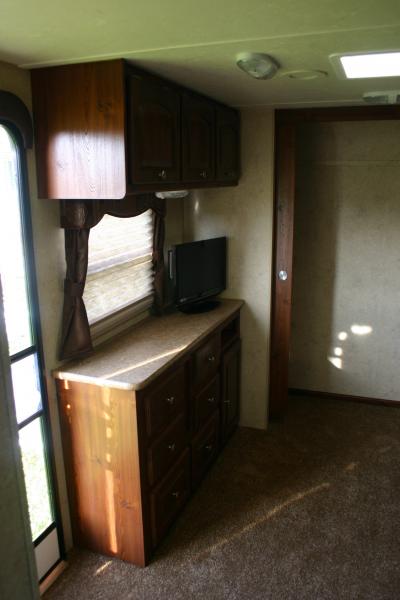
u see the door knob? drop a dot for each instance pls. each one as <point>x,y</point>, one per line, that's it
<point>283,275</point>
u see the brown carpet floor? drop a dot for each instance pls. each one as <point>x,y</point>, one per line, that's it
<point>308,510</point>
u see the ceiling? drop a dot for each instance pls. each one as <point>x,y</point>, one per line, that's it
<point>195,42</point>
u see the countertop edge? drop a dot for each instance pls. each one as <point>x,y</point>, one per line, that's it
<point>67,375</point>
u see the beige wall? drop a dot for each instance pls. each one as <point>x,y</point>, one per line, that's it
<point>347,259</point>
<point>244,215</point>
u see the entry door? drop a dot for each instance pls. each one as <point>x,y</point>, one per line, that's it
<point>25,353</point>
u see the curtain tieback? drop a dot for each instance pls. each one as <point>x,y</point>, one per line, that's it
<point>73,289</point>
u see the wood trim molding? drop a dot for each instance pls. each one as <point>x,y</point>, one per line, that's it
<point>281,296</point>
<point>14,111</point>
<point>346,397</point>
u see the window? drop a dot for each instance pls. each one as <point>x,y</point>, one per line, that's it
<point>23,335</point>
<point>119,281</point>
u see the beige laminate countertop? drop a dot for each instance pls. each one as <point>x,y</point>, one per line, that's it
<point>135,358</point>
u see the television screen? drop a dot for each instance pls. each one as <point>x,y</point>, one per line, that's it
<point>199,270</point>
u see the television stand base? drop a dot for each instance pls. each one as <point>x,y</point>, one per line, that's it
<point>199,307</point>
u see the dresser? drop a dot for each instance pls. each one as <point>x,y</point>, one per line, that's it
<point>142,421</point>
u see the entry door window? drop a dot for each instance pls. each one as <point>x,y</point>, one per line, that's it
<point>22,326</point>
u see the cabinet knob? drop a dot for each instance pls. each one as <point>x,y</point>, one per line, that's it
<point>209,447</point>
<point>162,174</point>
<point>175,495</point>
<point>171,447</point>
<point>170,400</point>
<point>211,399</point>
<point>203,174</point>
<point>211,358</point>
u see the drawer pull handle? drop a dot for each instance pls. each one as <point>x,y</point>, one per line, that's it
<point>209,447</point>
<point>211,400</point>
<point>171,400</point>
<point>175,495</point>
<point>211,358</point>
<point>171,447</point>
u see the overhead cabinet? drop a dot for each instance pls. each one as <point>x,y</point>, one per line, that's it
<point>106,129</point>
<point>198,139</point>
<point>154,109</point>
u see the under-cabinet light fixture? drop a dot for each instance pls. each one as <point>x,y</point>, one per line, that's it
<point>373,64</point>
<point>259,66</point>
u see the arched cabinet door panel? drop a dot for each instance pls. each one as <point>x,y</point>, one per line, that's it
<point>198,138</point>
<point>153,127</point>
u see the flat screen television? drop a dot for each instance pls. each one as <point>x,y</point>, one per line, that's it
<point>198,272</point>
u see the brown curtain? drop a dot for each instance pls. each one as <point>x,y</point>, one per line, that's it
<point>77,218</point>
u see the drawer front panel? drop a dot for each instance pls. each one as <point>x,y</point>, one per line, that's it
<point>165,403</point>
<point>206,361</point>
<point>169,497</point>
<point>207,402</point>
<point>205,448</point>
<point>164,452</point>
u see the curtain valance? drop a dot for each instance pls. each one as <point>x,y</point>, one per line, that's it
<point>77,218</point>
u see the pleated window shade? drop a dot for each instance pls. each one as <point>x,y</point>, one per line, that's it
<point>120,268</point>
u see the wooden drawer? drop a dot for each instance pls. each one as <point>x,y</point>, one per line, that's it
<point>165,403</point>
<point>205,448</point>
<point>206,361</point>
<point>165,450</point>
<point>206,402</point>
<point>169,496</point>
<point>230,379</point>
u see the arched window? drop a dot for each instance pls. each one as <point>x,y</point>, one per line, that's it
<point>24,342</point>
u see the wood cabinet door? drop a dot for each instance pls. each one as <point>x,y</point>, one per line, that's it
<point>79,116</point>
<point>230,389</point>
<point>153,130</point>
<point>228,145</point>
<point>198,139</point>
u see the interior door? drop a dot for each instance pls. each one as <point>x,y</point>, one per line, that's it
<point>281,299</point>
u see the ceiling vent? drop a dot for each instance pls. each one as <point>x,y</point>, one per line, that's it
<point>388,97</point>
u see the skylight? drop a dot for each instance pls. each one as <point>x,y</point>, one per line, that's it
<point>382,64</point>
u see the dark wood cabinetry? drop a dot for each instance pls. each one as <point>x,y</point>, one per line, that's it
<point>230,375</point>
<point>79,120</point>
<point>198,139</point>
<point>133,457</point>
<point>107,129</point>
<point>154,130</point>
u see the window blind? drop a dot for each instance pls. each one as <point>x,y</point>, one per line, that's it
<point>120,268</point>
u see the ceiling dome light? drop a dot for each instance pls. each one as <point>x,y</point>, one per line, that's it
<point>259,66</point>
